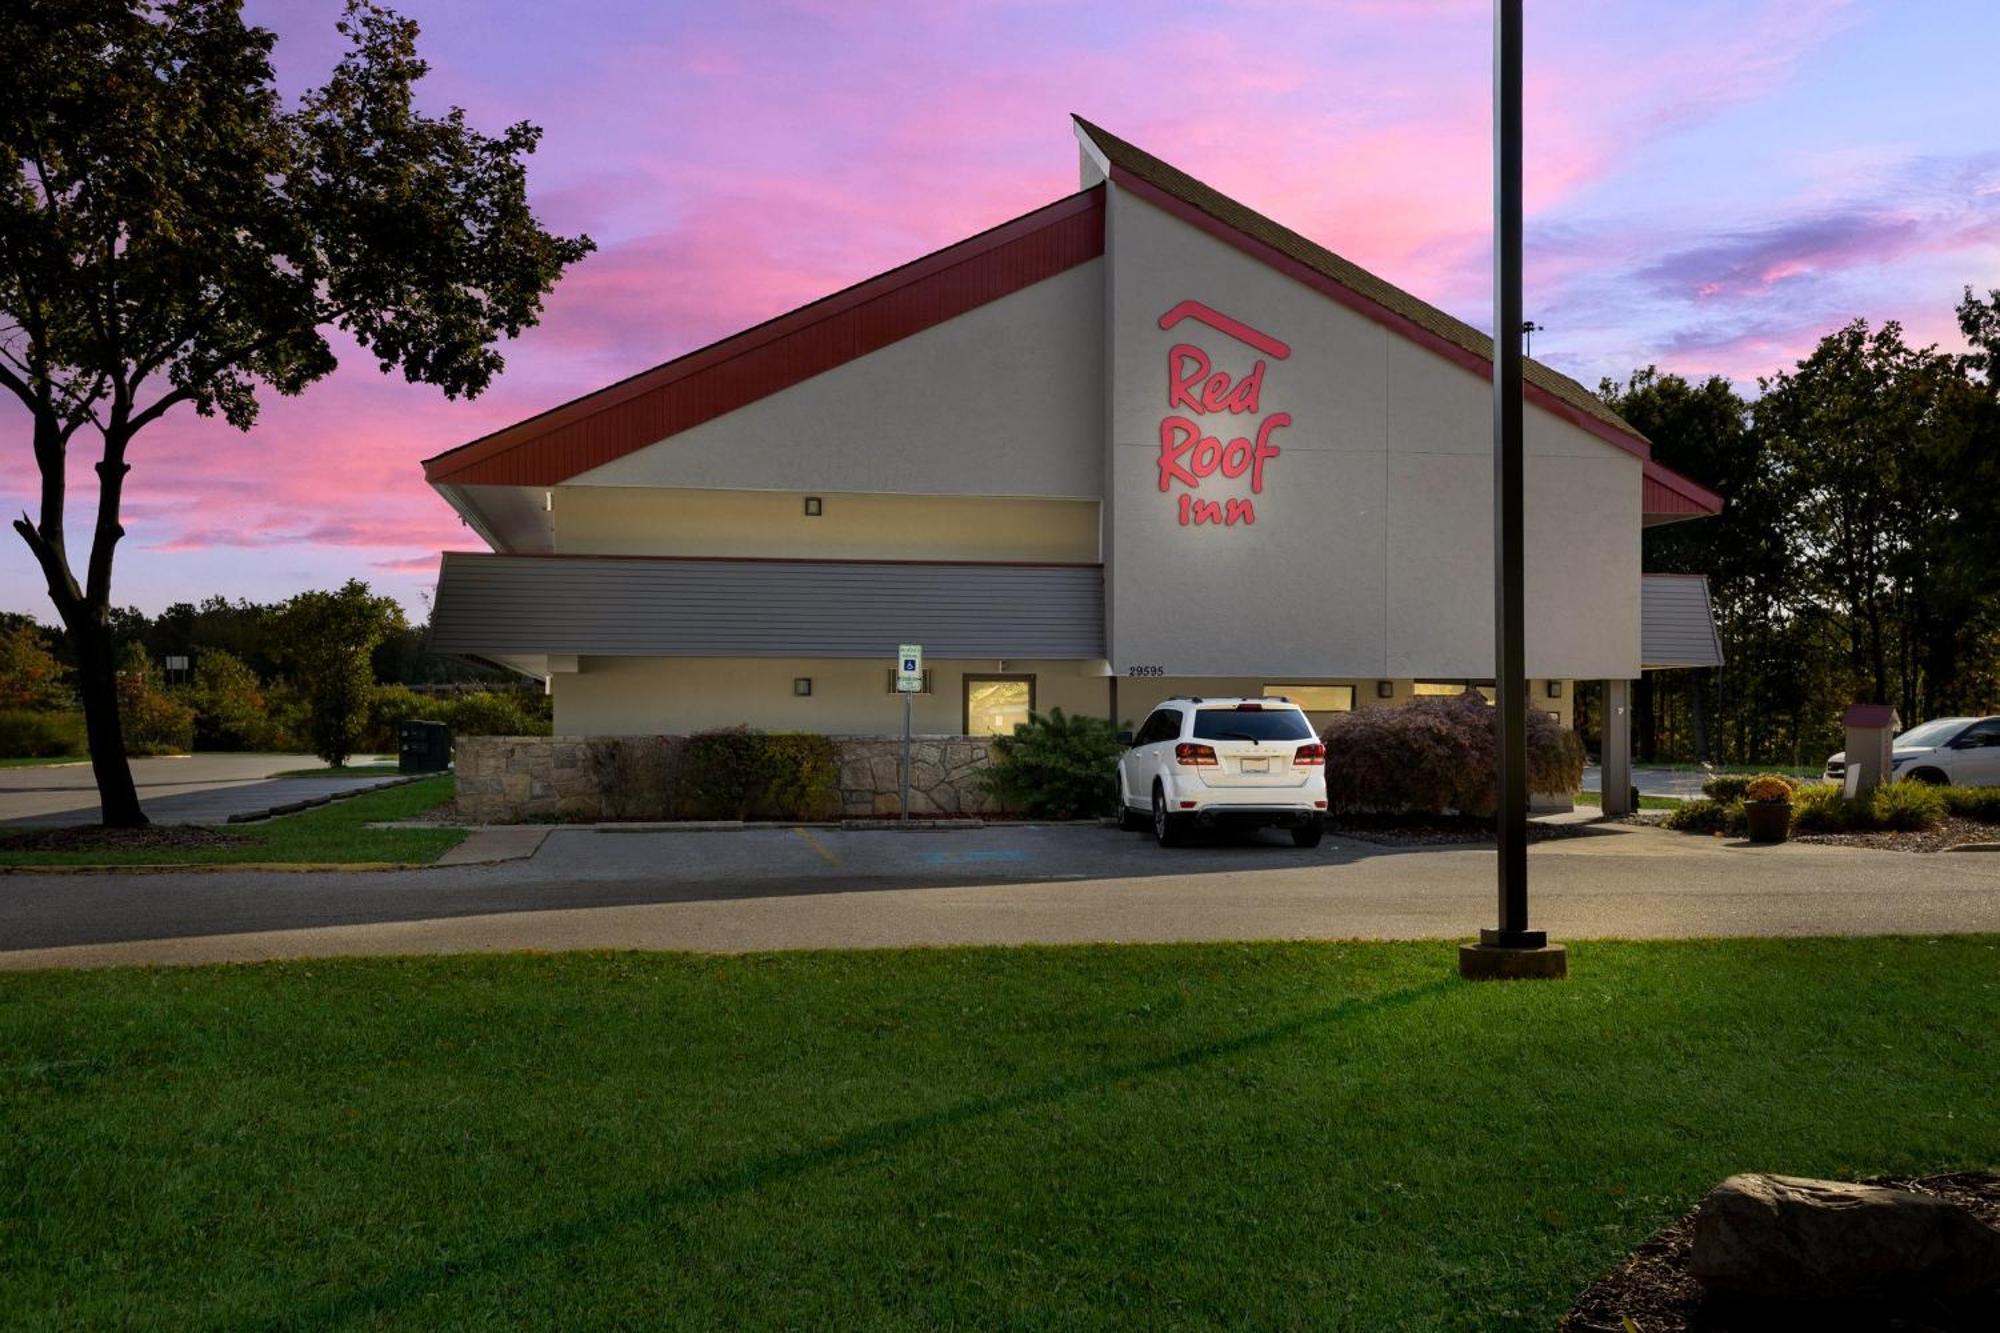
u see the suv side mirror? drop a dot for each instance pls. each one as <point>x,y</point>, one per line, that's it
<point>1125,739</point>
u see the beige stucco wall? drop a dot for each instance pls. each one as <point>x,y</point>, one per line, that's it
<point>672,695</point>
<point>612,696</point>
<point>1003,400</point>
<point>1371,554</point>
<point>630,520</point>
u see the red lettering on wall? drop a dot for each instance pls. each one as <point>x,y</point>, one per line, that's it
<point>1195,387</point>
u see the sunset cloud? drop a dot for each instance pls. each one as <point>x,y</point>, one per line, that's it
<point>1711,186</point>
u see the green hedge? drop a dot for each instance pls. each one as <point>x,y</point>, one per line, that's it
<point>1056,766</point>
<point>26,734</point>
<point>1727,787</point>
<point>741,773</point>
<point>1976,803</point>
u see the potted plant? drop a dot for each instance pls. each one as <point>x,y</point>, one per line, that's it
<point>1767,808</point>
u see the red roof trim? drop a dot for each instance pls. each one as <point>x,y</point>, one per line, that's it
<point>1362,305</point>
<point>590,431</point>
<point>1671,489</point>
<point>1668,492</point>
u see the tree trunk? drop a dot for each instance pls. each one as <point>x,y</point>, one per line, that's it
<point>97,686</point>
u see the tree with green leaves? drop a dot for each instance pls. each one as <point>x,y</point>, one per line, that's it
<point>329,641</point>
<point>173,234</point>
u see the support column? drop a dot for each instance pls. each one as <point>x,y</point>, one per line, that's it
<point>1616,760</point>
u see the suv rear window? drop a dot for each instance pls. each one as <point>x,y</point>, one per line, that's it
<point>1251,724</point>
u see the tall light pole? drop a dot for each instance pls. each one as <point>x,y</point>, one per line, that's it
<point>1511,949</point>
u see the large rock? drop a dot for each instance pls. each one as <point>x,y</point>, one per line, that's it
<point>1788,1239</point>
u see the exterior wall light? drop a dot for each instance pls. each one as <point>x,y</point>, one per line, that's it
<point>813,506</point>
<point>802,686</point>
<point>1385,689</point>
<point>1555,689</point>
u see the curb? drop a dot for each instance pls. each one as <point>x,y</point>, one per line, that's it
<point>294,807</point>
<point>1975,847</point>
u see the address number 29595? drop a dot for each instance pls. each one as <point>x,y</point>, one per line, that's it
<point>1145,671</point>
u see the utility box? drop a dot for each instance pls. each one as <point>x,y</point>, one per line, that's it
<point>1871,735</point>
<point>423,747</point>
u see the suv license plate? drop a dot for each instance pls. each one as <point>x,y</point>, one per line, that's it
<point>1256,766</point>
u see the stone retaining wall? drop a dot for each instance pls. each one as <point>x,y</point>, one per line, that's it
<point>507,779</point>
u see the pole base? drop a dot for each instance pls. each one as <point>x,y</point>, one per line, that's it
<point>1497,962</point>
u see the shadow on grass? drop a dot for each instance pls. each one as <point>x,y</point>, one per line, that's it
<point>717,1185</point>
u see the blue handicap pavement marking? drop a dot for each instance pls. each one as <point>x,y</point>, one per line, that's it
<point>981,857</point>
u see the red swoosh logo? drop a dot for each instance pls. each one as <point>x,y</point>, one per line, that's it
<point>1237,329</point>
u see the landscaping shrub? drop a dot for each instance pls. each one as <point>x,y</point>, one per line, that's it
<point>1767,788</point>
<point>1705,815</point>
<point>1906,807</point>
<point>1726,787</point>
<point>723,773</point>
<point>154,722</point>
<point>1819,807</point>
<point>31,735</point>
<point>490,713</point>
<point>388,708</point>
<point>31,680</point>
<point>230,712</point>
<point>1434,755</point>
<point>1975,803</point>
<point>1056,766</point>
<point>804,780</point>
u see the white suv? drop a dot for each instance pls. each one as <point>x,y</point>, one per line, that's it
<point>1950,751</point>
<point>1243,763</point>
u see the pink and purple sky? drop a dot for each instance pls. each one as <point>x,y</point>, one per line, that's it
<point>1712,185</point>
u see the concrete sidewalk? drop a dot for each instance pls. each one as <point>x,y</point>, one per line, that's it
<point>788,889</point>
<point>176,789</point>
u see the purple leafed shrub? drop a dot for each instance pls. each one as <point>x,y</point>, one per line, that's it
<point>1434,756</point>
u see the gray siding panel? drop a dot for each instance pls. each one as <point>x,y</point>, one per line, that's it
<point>1676,622</point>
<point>501,604</point>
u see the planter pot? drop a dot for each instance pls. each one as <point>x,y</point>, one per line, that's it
<point>1770,821</point>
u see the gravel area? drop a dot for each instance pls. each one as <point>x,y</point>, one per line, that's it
<point>1950,833</point>
<point>1652,1289</point>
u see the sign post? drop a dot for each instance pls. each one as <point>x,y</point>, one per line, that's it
<point>909,683</point>
<point>1511,949</point>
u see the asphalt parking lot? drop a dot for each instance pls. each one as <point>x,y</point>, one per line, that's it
<point>774,888</point>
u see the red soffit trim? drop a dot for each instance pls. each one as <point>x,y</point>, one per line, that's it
<point>649,407</point>
<point>1668,492</point>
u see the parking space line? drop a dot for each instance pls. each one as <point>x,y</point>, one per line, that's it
<point>817,846</point>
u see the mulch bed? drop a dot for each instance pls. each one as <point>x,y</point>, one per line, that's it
<point>1654,1290</point>
<point>91,838</point>
<point>1390,831</point>
<point>1950,833</point>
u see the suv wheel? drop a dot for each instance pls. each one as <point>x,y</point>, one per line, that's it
<point>1167,828</point>
<point>1309,833</point>
<point>1930,777</point>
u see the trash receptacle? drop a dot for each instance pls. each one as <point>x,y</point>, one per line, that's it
<point>423,747</point>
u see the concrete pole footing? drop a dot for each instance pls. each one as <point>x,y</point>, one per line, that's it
<point>1487,962</point>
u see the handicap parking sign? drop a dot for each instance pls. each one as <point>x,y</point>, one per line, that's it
<point>910,668</point>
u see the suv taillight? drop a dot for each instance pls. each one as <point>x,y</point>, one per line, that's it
<point>1310,755</point>
<point>1189,755</point>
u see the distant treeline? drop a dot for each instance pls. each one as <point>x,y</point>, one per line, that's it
<point>1858,554</point>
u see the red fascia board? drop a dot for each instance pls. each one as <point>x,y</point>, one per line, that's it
<point>655,404</point>
<point>1668,492</point>
<point>1362,305</point>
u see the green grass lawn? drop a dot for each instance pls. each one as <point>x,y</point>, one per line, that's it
<point>43,761</point>
<point>1645,802</point>
<point>326,833</point>
<point>1280,1135</point>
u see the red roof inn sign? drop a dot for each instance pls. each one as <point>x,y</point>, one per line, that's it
<point>1197,392</point>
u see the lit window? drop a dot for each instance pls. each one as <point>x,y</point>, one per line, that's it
<point>1315,698</point>
<point>1449,689</point>
<point>995,705</point>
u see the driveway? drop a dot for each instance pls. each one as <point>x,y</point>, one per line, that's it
<point>813,888</point>
<point>174,789</point>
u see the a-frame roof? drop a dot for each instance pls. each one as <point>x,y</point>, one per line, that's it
<point>587,432</point>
